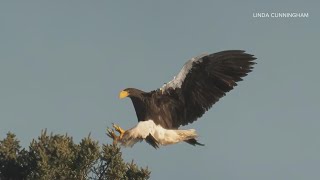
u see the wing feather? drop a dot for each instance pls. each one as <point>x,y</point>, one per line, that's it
<point>202,81</point>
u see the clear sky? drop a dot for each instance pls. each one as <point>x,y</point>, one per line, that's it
<point>63,63</point>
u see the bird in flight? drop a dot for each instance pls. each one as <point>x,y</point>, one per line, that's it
<point>202,81</point>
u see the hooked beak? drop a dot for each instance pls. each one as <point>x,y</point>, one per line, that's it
<point>123,94</point>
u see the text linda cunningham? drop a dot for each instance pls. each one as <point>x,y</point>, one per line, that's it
<point>280,15</point>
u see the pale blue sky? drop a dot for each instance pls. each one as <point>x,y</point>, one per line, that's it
<point>63,63</point>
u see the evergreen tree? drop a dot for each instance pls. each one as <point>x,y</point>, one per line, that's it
<point>56,156</point>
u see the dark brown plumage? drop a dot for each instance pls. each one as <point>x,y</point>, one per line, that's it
<point>200,84</point>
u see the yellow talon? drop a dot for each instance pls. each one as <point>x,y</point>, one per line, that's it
<point>112,135</point>
<point>119,130</point>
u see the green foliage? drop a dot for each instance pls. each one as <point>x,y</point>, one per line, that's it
<point>58,157</point>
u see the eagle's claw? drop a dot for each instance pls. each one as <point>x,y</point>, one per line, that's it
<point>118,129</point>
<point>112,135</point>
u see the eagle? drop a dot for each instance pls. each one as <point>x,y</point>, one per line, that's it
<point>202,81</point>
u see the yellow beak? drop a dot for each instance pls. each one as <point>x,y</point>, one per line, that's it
<point>123,94</point>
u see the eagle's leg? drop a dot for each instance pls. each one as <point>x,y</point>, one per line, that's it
<point>112,135</point>
<point>119,130</point>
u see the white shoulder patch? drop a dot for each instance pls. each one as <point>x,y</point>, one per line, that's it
<point>177,81</point>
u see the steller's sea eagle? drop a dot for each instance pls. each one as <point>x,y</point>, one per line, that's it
<point>202,81</point>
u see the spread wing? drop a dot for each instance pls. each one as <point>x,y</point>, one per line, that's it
<point>202,81</point>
